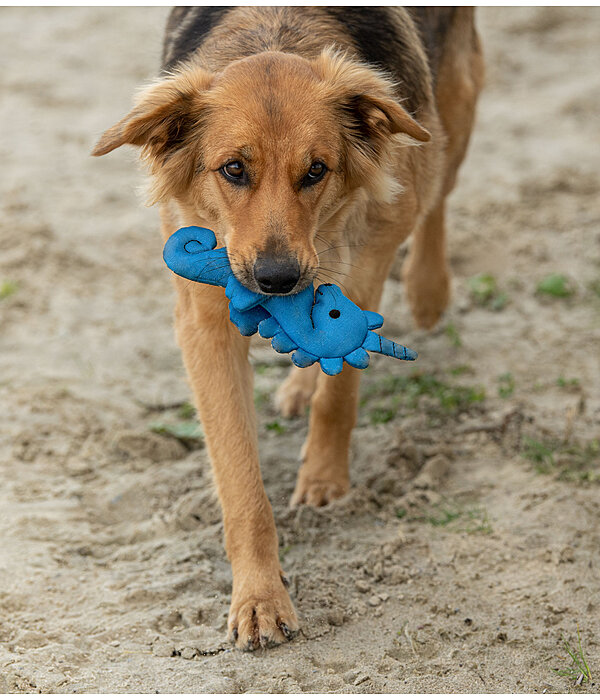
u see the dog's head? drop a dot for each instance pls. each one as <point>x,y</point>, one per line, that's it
<point>267,151</point>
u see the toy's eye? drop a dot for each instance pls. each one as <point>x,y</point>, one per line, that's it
<point>235,173</point>
<point>315,173</point>
<point>334,313</point>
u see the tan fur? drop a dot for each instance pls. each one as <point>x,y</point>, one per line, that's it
<point>278,112</point>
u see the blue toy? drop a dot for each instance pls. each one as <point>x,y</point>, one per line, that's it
<point>324,326</point>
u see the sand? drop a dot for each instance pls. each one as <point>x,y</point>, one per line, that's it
<point>456,563</point>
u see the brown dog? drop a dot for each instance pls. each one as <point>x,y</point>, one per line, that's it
<point>313,141</point>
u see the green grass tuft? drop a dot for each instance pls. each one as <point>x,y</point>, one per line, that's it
<point>391,394</point>
<point>445,517</point>
<point>276,427</point>
<point>577,668</point>
<point>569,461</point>
<point>555,285</point>
<point>506,385</point>
<point>484,292</point>
<point>565,383</point>
<point>186,411</point>
<point>453,335</point>
<point>456,517</point>
<point>7,289</point>
<point>188,432</point>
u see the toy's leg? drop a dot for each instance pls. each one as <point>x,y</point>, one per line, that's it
<point>294,395</point>
<point>460,79</point>
<point>215,357</point>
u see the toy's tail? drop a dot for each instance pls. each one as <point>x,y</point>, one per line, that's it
<point>190,253</point>
<point>377,343</point>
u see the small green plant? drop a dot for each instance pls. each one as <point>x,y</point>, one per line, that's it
<point>577,669</point>
<point>284,551</point>
<point>7,289</point>
<point>276,427</point>
<point>569,461</point>
<point>445,517</point>
<point>400,513</point>
<point>472,519</point>
<point>186,411</point>
<point>382,414</point>
<point>390,394</point>
<point>565,383</point>
<point>484,292</point>
<point>541,454</point>
<point>261,398</point>
<point>506,385</point>
<point>480,521</point>
<point>453,335</point>
<point>188,432</point>
<point>555,285</point>
<point>459,370</point>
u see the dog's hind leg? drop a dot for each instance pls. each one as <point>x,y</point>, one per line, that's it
<point>459,82</point>
<point>294,395</point>
<point>426,272</point>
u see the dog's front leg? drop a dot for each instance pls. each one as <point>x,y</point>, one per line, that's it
<point>215,356</point>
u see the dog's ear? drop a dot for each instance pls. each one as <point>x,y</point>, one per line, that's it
<point>366,103</point>
<point>166,123</point>
<point>162,117</point>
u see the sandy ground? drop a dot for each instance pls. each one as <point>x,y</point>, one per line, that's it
<point>470,543</point>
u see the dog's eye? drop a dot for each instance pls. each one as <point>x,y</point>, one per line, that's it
<point>316,172</point>
<point>234,172</point>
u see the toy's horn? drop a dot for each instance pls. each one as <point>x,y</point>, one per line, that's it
<point>377,343</point>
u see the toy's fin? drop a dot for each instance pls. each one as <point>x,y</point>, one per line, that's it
<point>269,327</point>
<point>301,358</point>
<point>377,343</point>
<point>247,322</point>
<point>241,298</point>
<point>283,343</point>
<point>331,365</point>
<point>358,358</point>
<point>374,320</point>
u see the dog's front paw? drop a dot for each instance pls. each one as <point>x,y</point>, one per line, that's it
<point>262,619</point>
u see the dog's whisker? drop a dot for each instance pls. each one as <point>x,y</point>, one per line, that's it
<point>334,272</point>
<point>342,262</point>
<point>328,276</point>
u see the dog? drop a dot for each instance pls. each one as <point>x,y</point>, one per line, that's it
<point>313,141</point>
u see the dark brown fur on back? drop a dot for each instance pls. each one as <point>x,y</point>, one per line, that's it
<point>384,37</point>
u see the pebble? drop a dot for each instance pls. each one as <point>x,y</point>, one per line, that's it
<point>374,601</point>
<point>384,596</point>
<point>363,586</point>
<point>163,648</point>
<point>188,653</point>
<point>335,618</point>
<point>433,473</point>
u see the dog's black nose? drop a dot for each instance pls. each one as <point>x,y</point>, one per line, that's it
<point>276,275</point>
